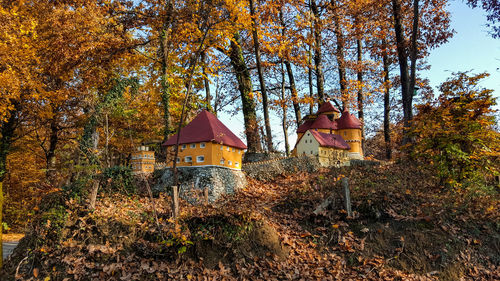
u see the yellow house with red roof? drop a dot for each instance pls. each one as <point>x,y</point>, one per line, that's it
<point>206,141</point>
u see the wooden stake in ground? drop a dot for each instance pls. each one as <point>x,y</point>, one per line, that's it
<point>175,197</point>
<point>347,196</point>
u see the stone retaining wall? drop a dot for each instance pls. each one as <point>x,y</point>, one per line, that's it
<point>268,170</point>
<point>194,180</point>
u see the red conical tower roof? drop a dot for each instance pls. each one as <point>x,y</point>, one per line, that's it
<point>206,127</point>
<point>322,122</point>
<point>348,121</point>
<point>327,107</point>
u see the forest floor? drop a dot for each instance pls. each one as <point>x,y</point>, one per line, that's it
<point>404,227</point>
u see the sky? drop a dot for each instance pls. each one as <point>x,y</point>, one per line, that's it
<point>470,49</point>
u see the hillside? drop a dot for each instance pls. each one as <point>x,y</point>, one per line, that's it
<point>405,227</point>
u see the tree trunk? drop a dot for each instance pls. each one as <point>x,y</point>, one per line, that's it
<point>93,193</point>
<point>310,80</point>
<point>360,93</point>
<point>293,91</point>
<point>413,55</point>
<point>406,92</point>
<point>51,151</point>
<point>106,144</point>
<point>387,106</point>
<point>291,78</point>
<point>283,106</point>
<point>165,85</point>
<point>317,53</point>
<point>245,88</point>
<point>208,96</point>
<point>339,53</point>
<point>263,91</point>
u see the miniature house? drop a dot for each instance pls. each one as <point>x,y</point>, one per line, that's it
<point>205,141</point>
<point>330,149</point>
<point>142,160</point>
<point>345,129</point>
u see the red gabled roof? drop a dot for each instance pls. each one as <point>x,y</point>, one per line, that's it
<point>330,140</point>
<point>327,107</point>
<point>348,121</point>
<point>305,126</point>
<point>206,127</point>
<point>322,122</point>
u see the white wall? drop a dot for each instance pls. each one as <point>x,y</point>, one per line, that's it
<point>307,145</point>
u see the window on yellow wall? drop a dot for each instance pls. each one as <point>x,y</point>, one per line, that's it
<point>228,148</point>
<point>202,145</point>
<point>234,149</point>
<point>236,164</point>
<point>178,160</point>
<point>221,147</point>
<point>193,145</point>
<point>183,146</point>
<point>188,159</point>
<point>222,162</point>
<point>229,163</point>
<point>200,158</point>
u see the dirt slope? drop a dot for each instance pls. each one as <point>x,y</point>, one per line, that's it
<point>404,228</point>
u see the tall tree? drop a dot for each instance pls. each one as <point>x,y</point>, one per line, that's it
<point>318,65</point>
<point>245,87</point>
<point>433,31</point>
<point>263,90</point>
<point>289,70</point>
<point>387,105</point>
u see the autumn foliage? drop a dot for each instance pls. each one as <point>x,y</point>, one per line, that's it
<point>83,83</point>
<point>455,134</point>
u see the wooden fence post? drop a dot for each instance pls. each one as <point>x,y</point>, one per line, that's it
<point>347,196</point>
<point>175,196</point>
<point>206,195</point>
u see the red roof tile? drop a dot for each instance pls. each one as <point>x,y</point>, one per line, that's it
<point>327,107</point>
<point>305,126</point>
<point>322,122</point>
<point>330,140</point>
<point>348,121</point>
<point>206,127</point>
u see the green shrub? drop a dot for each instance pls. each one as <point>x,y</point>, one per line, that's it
<point>119,179</point>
